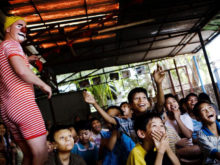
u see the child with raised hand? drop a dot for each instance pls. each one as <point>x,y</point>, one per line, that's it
<point>63,142</point>
<point>116,148</point>
<point>139,103</point>
<point>208,136</point>
<point>154,147</point>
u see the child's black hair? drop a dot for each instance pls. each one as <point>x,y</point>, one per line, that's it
<point>83,125</point>
<point>114,107</point>
<point>204,96</point>
<point>141,121</point>
<point>196,109</point>
<point>93,119</point>
<point>134,91</point>
<point>123,103</point>
<point>189,95</point>
<point>170,95</point>
<point>54,129</point>
<point>181,103</point>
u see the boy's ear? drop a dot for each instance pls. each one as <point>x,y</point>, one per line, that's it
<point>54,145</point>
<point>141,134</point>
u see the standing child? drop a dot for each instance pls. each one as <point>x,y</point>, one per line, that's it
<point>151,131</point>
<point>209,135</point>
<point>63,142</point>
<point>86,149</point>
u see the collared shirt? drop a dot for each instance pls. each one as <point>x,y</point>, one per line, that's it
<point>210,144</point>
<point>126,126</point>
<point>196,128</point>
<point>90,155</point>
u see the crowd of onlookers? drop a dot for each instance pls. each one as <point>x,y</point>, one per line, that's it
<point>138,132</point>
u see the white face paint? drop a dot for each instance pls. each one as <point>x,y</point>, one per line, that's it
<point>17,31</point>
<point>21,36</point>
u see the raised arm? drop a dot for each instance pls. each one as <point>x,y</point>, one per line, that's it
<point>26,74</point>
<point>185,131</point>
<point>88,98</point>
<point>159,75</point>
<point>112,140</point>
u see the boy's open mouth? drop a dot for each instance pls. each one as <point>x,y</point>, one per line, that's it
<point>141,105</point>
<point>210,116</point>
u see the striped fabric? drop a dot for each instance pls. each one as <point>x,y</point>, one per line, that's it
<point>17,101</point>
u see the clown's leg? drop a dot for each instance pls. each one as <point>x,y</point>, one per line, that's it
<point>38,148</point>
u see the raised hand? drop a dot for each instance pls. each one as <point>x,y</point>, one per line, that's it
<point>158,75</point>
<point>88,98</point>
<point>176,113</point>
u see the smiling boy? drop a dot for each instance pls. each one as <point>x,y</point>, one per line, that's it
<point>154,146</point>
<point>139,103</point>
<point>209,135</point>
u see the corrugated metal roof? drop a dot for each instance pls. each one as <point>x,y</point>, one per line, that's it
<point>74,35</point>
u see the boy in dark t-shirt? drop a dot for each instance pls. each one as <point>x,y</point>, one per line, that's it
<point>63,142</point>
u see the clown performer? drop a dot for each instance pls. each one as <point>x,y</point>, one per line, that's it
<point>19,110</point>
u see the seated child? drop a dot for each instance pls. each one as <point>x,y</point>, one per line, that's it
<point>126,109</point>
<point>208,136</point>
<point>139,103</point>
<point>151,131</point>
<point>63,142</point>
<point>97,132</point>
<point>115,148</point>
<point>191,100</point>
<point>86,149</point>
<point>184,127</point>
<point>74,133</point>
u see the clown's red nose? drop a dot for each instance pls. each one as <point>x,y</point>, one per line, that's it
<point>24,29</point>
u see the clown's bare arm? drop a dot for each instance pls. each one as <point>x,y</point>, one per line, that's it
<point>88,98</point>
<point>26,74</point>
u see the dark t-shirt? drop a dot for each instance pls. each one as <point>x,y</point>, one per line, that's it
<point>151,157</point>
<point>53,159</point>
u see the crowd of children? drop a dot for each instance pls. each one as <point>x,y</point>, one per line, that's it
<point>171,131</point>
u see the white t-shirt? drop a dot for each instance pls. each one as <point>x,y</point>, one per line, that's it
<point>185,118</point>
